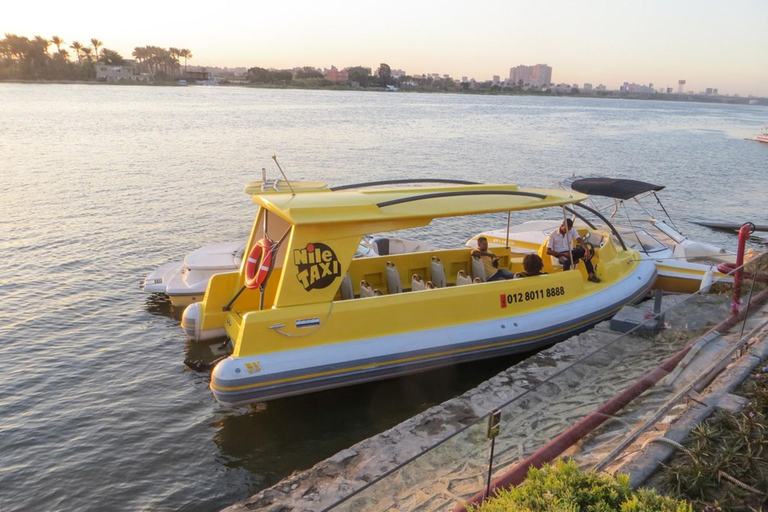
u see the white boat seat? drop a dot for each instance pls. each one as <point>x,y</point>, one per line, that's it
<point>394,285</point>
<point>477,280</point>
<point>417,283</point>
<point>377,292</point>
<point>478,270</point>
<point>365,289</point>
<point>438,272</point>
<point>429,285</point>
<point>347,291</point>
<point>462,278</point>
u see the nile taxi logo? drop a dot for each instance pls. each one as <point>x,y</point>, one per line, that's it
<point>317,264</point>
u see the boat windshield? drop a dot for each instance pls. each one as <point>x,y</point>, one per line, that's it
<point>641,240</point>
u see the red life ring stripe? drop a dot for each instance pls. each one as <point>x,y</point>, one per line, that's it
<point>260,257</point>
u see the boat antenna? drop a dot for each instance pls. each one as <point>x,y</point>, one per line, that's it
<point>274,157</point>
<point>664,209</point>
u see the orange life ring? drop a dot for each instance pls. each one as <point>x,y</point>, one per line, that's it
<point>259,264</point>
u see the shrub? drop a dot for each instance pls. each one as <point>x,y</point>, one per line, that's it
<point>563,488</point>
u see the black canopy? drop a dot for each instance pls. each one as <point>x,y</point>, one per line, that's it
<point>609,187</point>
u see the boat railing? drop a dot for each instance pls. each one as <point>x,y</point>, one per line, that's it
<point>544,400</point>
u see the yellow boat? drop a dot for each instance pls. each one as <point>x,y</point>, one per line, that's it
<point>322,319</point>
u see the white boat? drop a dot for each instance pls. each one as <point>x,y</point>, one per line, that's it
<point>184,282</point>
<point>763,136</point>
<point>681,263</point>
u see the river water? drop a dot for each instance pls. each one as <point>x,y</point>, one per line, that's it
<point>101,184</point>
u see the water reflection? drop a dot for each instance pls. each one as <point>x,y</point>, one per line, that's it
<point>159,304</point>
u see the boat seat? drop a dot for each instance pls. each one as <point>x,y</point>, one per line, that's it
<point>393,279</point>
<point>377,292</point>
<point>347,291</point>
<point>477,280</point>
<point>365,289</point>
<point>462,278</point>
<point>438,272</point>
<point>417,283</point>
<point>478,270</point>
<point>382,246</point>
<point>429,285</point>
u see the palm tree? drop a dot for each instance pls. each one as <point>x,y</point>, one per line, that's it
<point>41,44</point>
<point>87,54</point>
<point>96,43</point>
<point>58,42</point>
<point>78,50</point>
<point>187,55</point>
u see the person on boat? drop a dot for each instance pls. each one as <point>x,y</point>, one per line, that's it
<point>532,266</point>
<point>490,262</point>
<point>561,247</point>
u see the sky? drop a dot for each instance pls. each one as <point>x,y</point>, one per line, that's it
<point>708,43</point>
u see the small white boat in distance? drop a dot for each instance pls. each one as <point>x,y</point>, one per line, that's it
<point>763,136</point>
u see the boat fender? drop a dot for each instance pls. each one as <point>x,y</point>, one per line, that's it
<point>190,321</point>
<point>706,281</point>
<point>726,268</point>
<point>259,264</point>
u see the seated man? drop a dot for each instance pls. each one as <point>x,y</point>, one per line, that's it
<point>490,262</point>
<point>532,266</point>
<point>561,247</point>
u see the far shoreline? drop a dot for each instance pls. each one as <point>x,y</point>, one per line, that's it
<point>687,98</point>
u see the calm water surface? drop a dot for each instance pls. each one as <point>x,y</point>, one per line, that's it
<point>102,184</point>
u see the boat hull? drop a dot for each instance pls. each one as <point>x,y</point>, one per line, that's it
<point>262,377</point>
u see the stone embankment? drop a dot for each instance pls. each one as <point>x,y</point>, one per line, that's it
<point>554,389</point>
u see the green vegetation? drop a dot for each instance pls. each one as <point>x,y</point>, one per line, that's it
<point>726,447</point>
<point>22,58</point>
<point>563,488</point>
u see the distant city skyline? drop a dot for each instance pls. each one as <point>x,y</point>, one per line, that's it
<point>707,43</point>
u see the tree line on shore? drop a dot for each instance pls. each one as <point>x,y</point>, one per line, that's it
<point>362,76</point>
<point>31,59</point>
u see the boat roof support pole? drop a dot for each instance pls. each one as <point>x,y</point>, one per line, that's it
<point>509,219</point>
<point>607,222</point>
<point>665,211</point>
<point>568,237</point>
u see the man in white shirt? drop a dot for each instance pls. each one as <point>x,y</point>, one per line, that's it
<point>561,247</point>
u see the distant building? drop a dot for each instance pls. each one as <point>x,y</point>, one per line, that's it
<point>680,84</point>
<point>637,88</point>
<point>398,73</point>
<point>587,87</point>
<point>336,76</point>
<point>538,75</point>
<point>496,80</point>
<point>601,87</point>
<point>464,79</point>
<point>107,73</point>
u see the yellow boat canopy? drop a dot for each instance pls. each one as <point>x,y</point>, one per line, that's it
<point>415,205</point>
